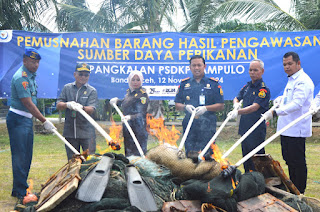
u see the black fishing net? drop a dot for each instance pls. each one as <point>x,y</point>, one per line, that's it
<point>223,192</point>
<point>218,191</point>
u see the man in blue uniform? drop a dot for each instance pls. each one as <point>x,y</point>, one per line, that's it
<point>255,95</point>
<point>19,120</point>
<point>78,94</point>
<point>204,95</point>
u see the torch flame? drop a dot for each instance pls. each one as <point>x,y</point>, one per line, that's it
<point>115,131</point>
<point>217,156</point>
<point>116,142</point>
<point>156,128</point>
<point>29,190</point>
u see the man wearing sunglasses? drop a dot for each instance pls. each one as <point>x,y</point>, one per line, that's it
<point>78,94</point>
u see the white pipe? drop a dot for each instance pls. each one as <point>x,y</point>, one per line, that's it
<point>254,151</point>
<point>246,134</point>
<point>130,130</point>
<point>68,144</point>
<point>185,135</point>
<point>213,138</point>
<point>200,156</point>
<point>95,124</point>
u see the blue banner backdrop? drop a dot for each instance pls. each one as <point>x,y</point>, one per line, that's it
<point>161,57</point>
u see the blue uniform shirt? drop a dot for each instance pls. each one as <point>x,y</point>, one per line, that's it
<point>23,85</point>
<point>253,93</point>
<point>189,92</point>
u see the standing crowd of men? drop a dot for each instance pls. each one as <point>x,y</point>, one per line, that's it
<point>197,94</point>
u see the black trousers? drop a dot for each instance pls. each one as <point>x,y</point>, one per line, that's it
<point>249,144</point>
<point>293,152</point>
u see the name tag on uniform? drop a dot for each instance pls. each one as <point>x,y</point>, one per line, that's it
<point>202,99</point>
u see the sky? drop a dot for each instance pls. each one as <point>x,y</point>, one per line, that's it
<point>283,4</point>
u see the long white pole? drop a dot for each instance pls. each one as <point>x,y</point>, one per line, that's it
<point>185,135</point>
<point>130,130</point>
<point>246,134</point>
<point>95,124</point>
<point>254,151</point>
<point>200,156</point>
<point>67,143</point>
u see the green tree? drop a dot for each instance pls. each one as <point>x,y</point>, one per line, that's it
<point>307,12</point>
<point>206,15</point>
<point>24,15</point>
<point>116,15</point>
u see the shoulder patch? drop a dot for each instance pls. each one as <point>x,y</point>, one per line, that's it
<point>185,79</point>
<point>214,79</point>
<point>262,93</point>
<point>143,100</point>
<point>25,84</point>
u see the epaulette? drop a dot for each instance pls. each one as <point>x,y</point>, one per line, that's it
<point>143,90</point>
<point>185,79</point>
<point>214,79</point>
<point>24,74</point>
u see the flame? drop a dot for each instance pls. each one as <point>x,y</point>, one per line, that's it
<point>115,131</point>
<point>156,128</point>
<point>29,190</point>
<point>116,142</point>
<point>209,189</point>
<point>217,156</point>
<point>233,183</point>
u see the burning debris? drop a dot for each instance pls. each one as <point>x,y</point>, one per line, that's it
<point>59,192</point>
<point>115,131</point>
<point>165,180</point>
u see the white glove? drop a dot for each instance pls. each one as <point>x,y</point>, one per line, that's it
<point>313,107</point>
<point>200,110</point>
<point>277,100</point>
<point>190,108</point>
<point>237,105</point>
<point>72,105</point>
<point>48,125</point>
<point>127,117</point>
<point>268,115</point>
<point>233,114</point>
<point>114,100</point>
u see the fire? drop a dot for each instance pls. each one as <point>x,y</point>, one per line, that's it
<point>115,131</point>
<point>156,128</point>
<point>115,144</point>
<point>217,156</point>
<point>29,190</point>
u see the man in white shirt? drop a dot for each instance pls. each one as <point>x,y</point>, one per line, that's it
<point>296,101</point>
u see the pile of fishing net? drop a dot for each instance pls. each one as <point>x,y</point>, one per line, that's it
<point>166,184</point>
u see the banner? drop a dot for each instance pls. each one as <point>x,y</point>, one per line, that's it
<point>163,58</point>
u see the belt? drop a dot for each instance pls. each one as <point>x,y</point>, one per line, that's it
<point>21,112</point>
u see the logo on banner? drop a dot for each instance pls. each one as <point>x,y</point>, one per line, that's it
<point>5,36</point>
<point>161,90</point>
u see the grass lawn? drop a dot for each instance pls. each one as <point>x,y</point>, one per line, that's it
<point>49,156</point>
